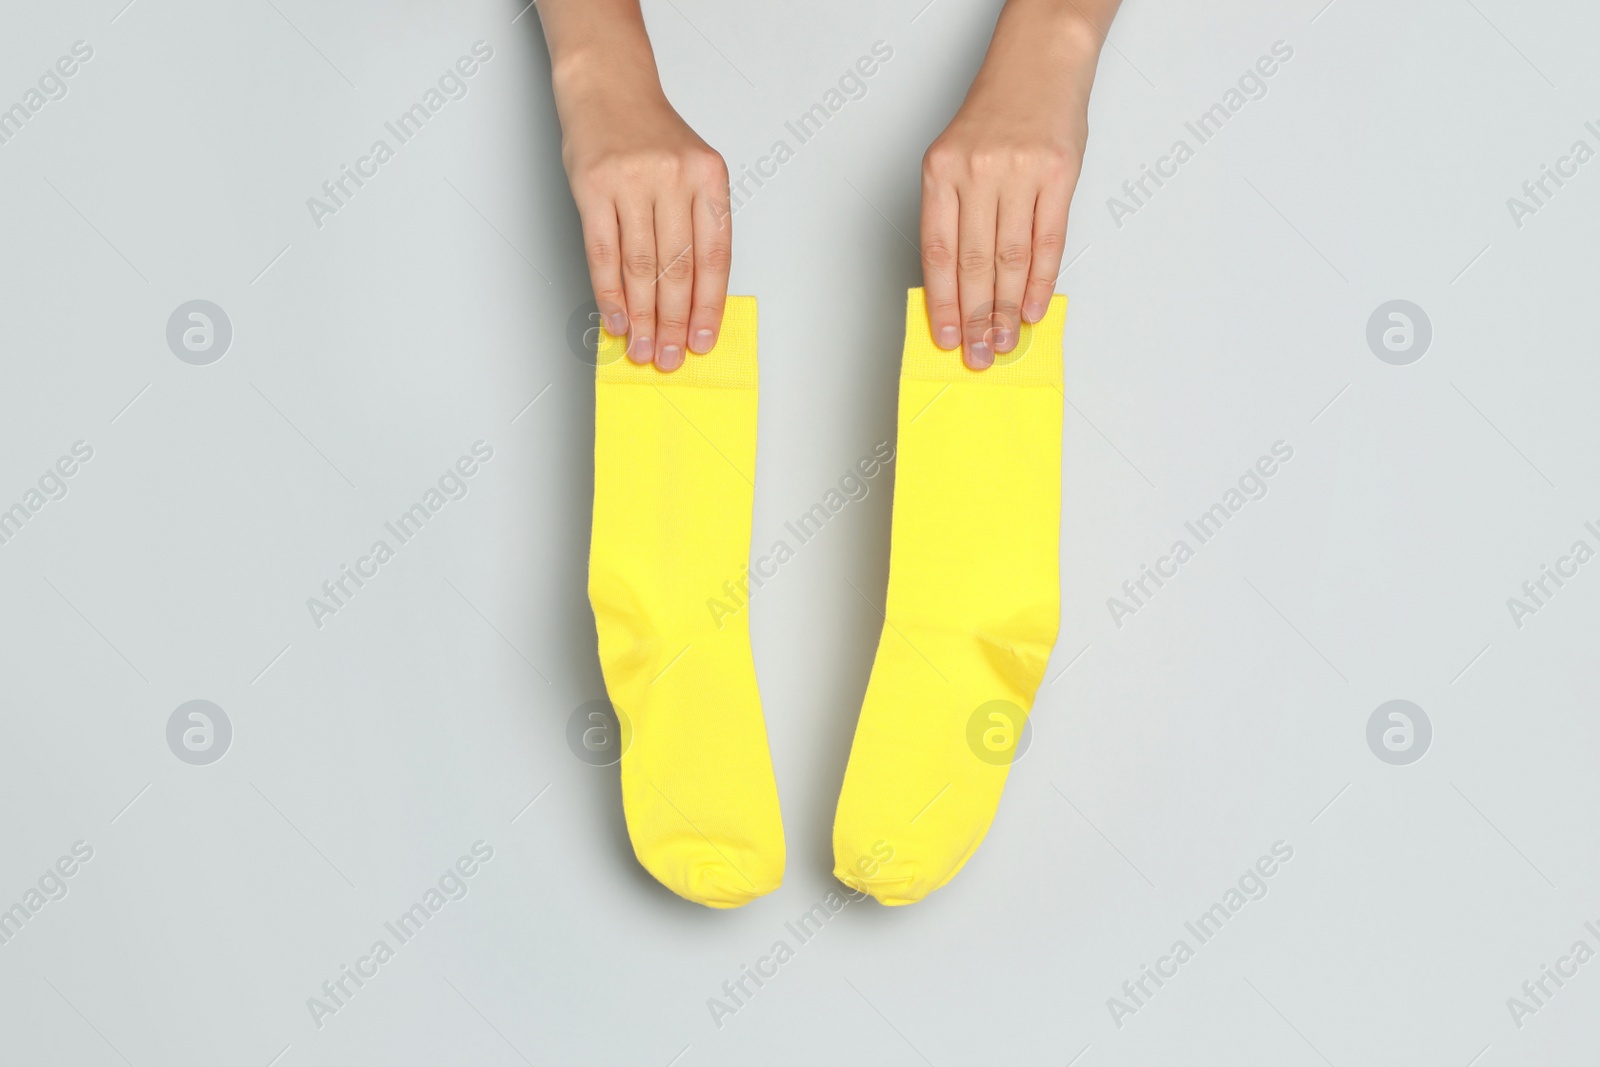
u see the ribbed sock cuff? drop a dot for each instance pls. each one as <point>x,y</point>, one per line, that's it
<point>731,363</point>
<point>1035,361</point>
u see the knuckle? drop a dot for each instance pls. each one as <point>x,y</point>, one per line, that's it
<point>988,160</point>
<point>940,161</point>
<point>1014,257</point>
<point>708,166</point>
<point>639,265</point>
<point>627,168</point>
<point>608,171</point>
<point>602,254</point>
<point>1050,242</point>
<point>715,258</point>
<point>937,252</point>
<point>662,164</point>
<point>681,268</point>
<point>975,261</point>
<point>588,174</point>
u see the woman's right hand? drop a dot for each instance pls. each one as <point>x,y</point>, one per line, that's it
<point>653,197</point>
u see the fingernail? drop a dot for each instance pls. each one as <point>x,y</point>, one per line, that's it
<point>616,324</point>
<point>1004,339</point>
<point>641,350</point>
<point>1033,311</point>
<point>703,340</point>
<point>979,356</point>
<point>671,358</point>
<point>949,337</point>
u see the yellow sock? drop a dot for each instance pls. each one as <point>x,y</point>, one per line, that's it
<point>972,609</point>
<point>674,461</point>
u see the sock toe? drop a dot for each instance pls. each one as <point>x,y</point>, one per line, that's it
<point>717,876</point>
<point>718,884</point>
<point>888,890</point>
<point>914,870</point>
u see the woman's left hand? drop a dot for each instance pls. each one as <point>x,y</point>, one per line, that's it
<point>996,184</point>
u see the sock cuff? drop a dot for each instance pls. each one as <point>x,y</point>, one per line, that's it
<point>1035,361</point>
<point>731,363</point>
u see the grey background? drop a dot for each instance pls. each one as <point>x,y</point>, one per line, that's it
<point>430,713</point>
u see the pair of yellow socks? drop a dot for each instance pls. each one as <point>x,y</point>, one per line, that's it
<point>970,617</point>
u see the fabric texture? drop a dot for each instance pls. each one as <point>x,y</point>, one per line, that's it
<point>971,614</point>
<point>673,490</point>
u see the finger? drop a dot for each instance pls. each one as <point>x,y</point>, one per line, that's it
<point>712,219</point>
<point>975,274</point>
<point>601,248</point>
<point>713,255</point>
<point>675,278</point>
<point>1013,251</point>
<point>940,224</point>
<point>1049,244</point>
<point>637,220</point>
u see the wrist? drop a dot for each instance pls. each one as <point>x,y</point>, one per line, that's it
<point>598,48</point>
<point>594,92</point>
<point>1044,53</point>
<point>619,64</point>
<point>1057,34</point>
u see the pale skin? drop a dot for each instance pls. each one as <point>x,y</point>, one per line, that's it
<point>653,197</point>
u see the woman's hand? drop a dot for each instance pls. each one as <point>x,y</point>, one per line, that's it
<point>997,183</point>
<point>653,197</point>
